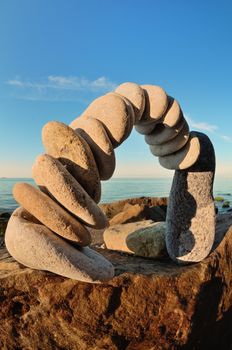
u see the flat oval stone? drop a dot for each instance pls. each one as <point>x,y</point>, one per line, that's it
<point>173,113</point>
<point>94,133</point>
<point>53,178</point>
<point>185,157</point>
<point>173,145</point>
<point>49,213</point>
<point>115,236</point>
<point>162,133</point>
<point>135,94</point>
<point>156,103</point>
<point>191,212</point>
<point>74,153</point>
<point>113,112</point>
<point>148,241</point>
<point>34,245</point>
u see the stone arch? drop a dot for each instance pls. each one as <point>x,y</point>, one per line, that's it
<point>42,233</point>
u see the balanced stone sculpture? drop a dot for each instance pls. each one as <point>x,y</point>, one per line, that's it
<point>50,229</point>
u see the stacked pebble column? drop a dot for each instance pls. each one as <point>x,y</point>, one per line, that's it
<point>50,229</point>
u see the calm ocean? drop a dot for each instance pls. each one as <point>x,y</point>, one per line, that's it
<point>118,188</point>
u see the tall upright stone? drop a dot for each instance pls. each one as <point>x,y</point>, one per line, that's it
<point>191,214</point>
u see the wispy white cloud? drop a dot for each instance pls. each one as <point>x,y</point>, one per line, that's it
<point>204,126</point>
<point>226,138</point>
<point>58,87</point>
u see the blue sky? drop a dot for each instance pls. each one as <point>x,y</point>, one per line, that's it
<point>56,56</point>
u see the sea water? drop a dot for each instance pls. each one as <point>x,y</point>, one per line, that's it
<point>118,188</point>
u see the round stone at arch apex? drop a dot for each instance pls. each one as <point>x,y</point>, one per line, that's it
<point>112,110</point>
<point>135,94</point>
<point>156,103</point>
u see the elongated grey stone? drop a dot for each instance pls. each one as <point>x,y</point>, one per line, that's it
<point>191,214</point>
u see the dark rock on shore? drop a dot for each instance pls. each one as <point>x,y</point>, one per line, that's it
<point>4,218</point>
<point>148,305</point>
<point>226,204</point>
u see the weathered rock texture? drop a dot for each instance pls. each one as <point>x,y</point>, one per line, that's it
<point>149,305</point>
<point>191,211</point>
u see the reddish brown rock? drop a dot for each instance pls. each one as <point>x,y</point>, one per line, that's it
<point>137,212</point>
<point>112,209</point>
<point>148,305</point>
<point>130,213</point>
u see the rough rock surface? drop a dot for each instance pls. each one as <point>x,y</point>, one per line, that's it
<point>130,213</point>
<point>151,305</point>
<point>137,212</point>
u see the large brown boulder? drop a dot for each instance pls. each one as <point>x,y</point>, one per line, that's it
<point>137,212</point>
<point>149,305</point>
